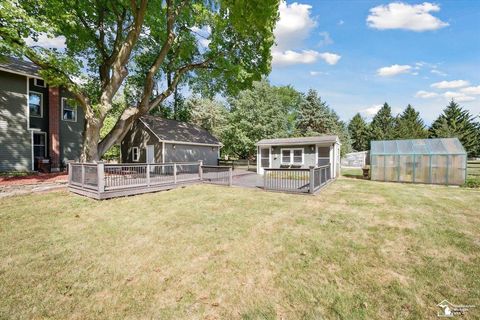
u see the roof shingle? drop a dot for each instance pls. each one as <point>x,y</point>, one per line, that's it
<point>172,130</point>
<point>22,67</point>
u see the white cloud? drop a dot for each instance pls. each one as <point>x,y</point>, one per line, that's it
<point>393,70</point>
<point>458,96</point>
<point>330,58</point>
<point>294,25</point>
<point>317,73</point>
<point>471,90</point>
<point>45,41</point>
<point>438,72</point>
<point>340,22</point>
<point>450,84</point>
<point>425,94</point>
<point>372,111</point>
<point>326,39</point>
<point>291,57</point>
<point>399,15</point>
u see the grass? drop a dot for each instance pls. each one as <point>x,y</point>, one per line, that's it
<point>358,250</point>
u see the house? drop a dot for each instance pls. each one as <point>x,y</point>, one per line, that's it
<point>157,140</point>
<point>36,121</point>
<point>301,152</point>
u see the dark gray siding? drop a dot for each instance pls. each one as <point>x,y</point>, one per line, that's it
<point>308,155</point>
<point>139,136</point>
<point>191,153</point>
<point>71,133</point>
<point>15,138</point>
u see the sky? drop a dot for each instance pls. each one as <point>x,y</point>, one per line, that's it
<point>359,54</point>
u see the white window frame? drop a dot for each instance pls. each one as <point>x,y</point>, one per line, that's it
<point>322,158</point>
<point>41,104</point>
<point>269,157</point>
<point>35,82</point>
<point>76,111</point>
<point>137,150</point>
<point>38,145</point>
<point>291,162</point>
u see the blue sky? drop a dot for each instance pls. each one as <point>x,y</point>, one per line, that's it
<point>359,54</point>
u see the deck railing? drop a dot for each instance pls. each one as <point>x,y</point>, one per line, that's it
<point>217,175</point>
<point>296,180</point>
<point>102,178</point>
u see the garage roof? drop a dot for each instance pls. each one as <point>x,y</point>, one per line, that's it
<point>298,141</point>
<point>175,131</point>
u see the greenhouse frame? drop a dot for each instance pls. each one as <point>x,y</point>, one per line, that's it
<point>432,161</point>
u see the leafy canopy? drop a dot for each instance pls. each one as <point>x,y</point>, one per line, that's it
<point>256,114</point>
<point>142,47</point>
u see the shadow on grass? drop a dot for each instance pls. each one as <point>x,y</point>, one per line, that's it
<point>354,176</point>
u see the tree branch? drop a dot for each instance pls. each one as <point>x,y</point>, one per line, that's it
<point>119,71</point>
<point>130,115</point>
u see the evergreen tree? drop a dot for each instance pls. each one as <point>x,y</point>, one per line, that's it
<point>359,133</point>
<point>316,118</point>
<point>383,124</point>
<point>409,125</point>
<point>456,122</point>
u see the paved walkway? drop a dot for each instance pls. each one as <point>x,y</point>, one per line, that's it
<point>247,179</point>
<point>14,190</point>
<point>17,185</point>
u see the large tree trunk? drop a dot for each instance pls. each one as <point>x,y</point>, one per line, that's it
<point>90,140</point>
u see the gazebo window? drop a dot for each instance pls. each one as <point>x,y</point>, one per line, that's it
<point>292,156</point>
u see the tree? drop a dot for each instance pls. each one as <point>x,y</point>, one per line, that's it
<point>139,45</point>
<point>383,124</point>
<point>456,122</point>
<point>256,114</point>
<point>359,133</point>
<point>290,100</point>
<point>316,118</point>
<point>409,125</point>
<point>209,114</point>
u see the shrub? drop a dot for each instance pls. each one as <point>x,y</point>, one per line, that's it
<point>472,182</point>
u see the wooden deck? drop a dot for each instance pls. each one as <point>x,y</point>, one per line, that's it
<point>104,181</point>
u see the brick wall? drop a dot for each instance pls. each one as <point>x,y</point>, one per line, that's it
<point>54,127</point>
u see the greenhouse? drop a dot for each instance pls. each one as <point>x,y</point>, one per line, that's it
<point>436,161</point>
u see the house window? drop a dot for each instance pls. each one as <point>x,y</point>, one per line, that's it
<point>69,110</point>
<point>35,104</point>
<point>286,156</point>
<point>135,154</point>
<point>39,83</point>
<point>39,145</point>
<point>292,156</point>
<point>298,156</point>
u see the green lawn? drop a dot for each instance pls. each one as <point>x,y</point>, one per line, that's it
<point>358,250</point>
